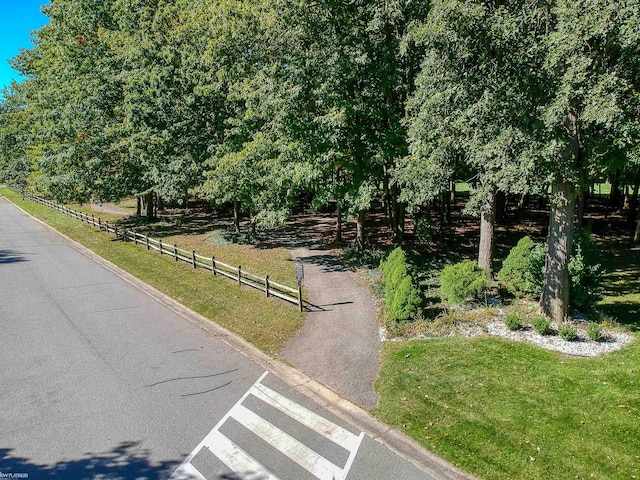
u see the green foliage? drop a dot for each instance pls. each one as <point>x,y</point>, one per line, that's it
<point>406,300</point>
<point>522,272</point>
<point>395,258</point>
<point>542,325</point>
<point>463,280</point>
<point>568,332</point>
<point>585,274</point>
<point>393,279</point>
<point>513,322</point>
<point>594,331</point>
<point>518,271</point>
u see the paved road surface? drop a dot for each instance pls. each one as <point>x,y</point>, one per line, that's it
<point>101,380</point>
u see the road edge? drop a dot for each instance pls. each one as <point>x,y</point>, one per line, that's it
<point>400,444</point>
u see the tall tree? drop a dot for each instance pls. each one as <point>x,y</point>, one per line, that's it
<point>591,75</point>
<point>474,105</point>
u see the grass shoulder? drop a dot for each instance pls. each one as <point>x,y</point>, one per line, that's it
<point>267,323</point>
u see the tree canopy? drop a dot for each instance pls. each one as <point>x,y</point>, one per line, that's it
<point>254,103</point>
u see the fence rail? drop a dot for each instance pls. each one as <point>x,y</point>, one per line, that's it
<point>235,273</point>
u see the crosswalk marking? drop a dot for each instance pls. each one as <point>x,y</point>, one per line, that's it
<point>242,463</point>
<point>321,425</point>
<point>292,448</point>
<point>237,459</point>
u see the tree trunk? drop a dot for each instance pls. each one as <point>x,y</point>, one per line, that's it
<point>634,195</point>
<point>487,228</point>
<point>554,301</point>
<point>446,198</point>
<point>360,229</point>
<point>400,220</point>
<point>138,206</point>
<point>501,207</point>
<point>582,205</point>
<point>150,204</point>
<point>338,223</point>
<point>236,216</point>
<point>387,197</point>
<point>636,236</point>
<point>615,195</point>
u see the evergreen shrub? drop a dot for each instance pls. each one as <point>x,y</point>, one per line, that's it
<point>585,274</point>
<point>521,272</point>
<point>406,301</point>
<point>395,258</point>
<point>463,280</point>
<point>393,279</point>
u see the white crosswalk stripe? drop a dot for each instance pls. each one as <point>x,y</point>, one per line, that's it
<point>241,463</point>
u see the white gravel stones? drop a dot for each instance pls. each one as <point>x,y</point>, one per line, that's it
<point>582,347</point>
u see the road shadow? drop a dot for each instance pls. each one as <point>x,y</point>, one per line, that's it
<point>124,462</point>
<point>11,256</point>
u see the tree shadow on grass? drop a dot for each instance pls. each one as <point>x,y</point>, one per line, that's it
<point>126,461</point>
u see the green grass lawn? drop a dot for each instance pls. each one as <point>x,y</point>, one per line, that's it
<point>506,410</point>
<point>267,323</point>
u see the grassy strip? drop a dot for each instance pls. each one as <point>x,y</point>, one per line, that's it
<point>504,410</point>
<point>267,323</point>
<point>275,262</point>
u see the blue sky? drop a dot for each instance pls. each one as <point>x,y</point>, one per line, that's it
<point>18,18</point>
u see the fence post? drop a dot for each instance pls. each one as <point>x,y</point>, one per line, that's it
<point>146,240</point>
<point>213,265</point>
<point>116,231</point>
<point>300,295</point>
<point>124,235</point>
<point>93,220</point>
<point>193,258</point>
<point>266,285</point>
<point>175,252</point>
<point>135,238</point>
<point>239,276</point>
<point>99,224</point>
<point>160,243</point>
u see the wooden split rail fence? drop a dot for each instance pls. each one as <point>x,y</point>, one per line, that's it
<point>265,284</point>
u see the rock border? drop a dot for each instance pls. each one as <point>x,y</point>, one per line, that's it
<point>581,347</point>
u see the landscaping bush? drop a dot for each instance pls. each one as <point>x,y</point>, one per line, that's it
<point>594,331</point>
<point>395,258</point>
<point>513,322</point>
<point>541,325</point>
<point>406,301</point>
<point>463,280</point>
<point>522,272</point>
<point>585,274</point>
<point>567,332</point>
<point>516,274</point>
<point>393,279</point>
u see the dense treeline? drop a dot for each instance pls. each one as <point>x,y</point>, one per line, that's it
<point>253,103</point>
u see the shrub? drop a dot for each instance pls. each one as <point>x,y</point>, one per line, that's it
<point>463,280</point>
<point>568,332</point>
<point>513,322</point>
<point>393,281</point>
<point>585,274</point>
<point>541,325</point>
<point>395,258</point>
<point>522,272</point>
<point>406,301</point>
<point>516,273</point>
<point>594,331</point>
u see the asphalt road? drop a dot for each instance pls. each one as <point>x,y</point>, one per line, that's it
<point>100,379</point>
